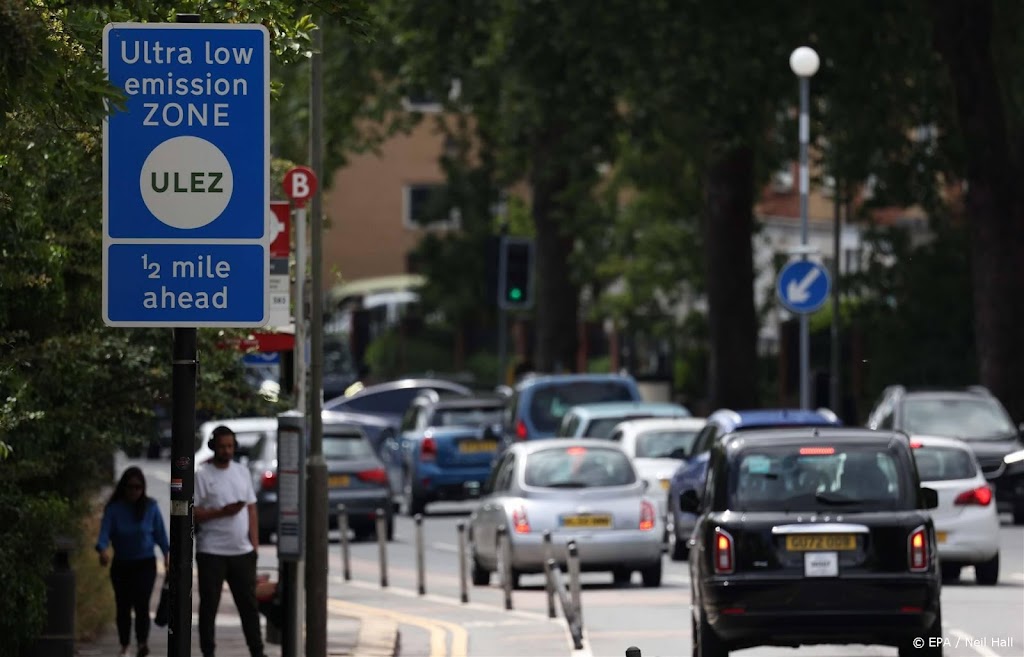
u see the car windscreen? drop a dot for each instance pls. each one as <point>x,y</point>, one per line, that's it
<point>247,443</point>
<point>466,417</point>
<point>944,463</point>
<point>551,402</point>
<point>578,467</point>
<point>814,477</point>
<point>347,447</point>
<point>665,444</point>
<point>965,418</point>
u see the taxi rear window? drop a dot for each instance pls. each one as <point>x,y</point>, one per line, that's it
<point>944,463</point>
<point>578,467</point>
<point>816,478</point>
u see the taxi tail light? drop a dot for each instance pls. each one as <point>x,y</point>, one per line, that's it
<point>982,496</point>
<point>374,476</point>
<point>269,480</point>
<point>428,449</point>
<point>917,550</point>
<point>646,516</point>
<point>522,433</point>
<point>723,553</point>
<point>519,522</point>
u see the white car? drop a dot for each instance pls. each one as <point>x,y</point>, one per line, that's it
<point>658,446</point>
<point>248,432</point>
<point>966,520</point>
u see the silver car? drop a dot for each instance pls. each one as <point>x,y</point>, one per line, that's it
<point>585,490</point>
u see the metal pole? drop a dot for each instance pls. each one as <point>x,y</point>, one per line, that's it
<point>574,581</point>
<point>343,531</point>
<point>502,313</point>
<point>463,585</point>
<point>382,547</point>
<point>420,567</point>
<point>316,467</point>
<point>549,580</point>
<point>805,338</point>
<point>835,401</point>
<point>301,362</point>
<point>506,567</point>
<point>184,366</point>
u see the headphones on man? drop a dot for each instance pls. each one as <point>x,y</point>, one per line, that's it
<point>217,433</point>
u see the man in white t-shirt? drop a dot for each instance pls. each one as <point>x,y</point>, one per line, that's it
<point>227,539</point>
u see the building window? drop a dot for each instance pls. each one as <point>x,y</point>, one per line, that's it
<point>423,206</point>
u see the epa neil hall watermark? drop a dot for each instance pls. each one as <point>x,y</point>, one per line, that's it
<point>967,641</point>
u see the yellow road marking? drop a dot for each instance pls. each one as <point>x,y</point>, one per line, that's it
<point>438,629</point>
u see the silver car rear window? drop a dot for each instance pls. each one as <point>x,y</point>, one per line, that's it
<point>578,467</point>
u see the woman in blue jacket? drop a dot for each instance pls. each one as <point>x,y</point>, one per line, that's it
<point>133,525</point>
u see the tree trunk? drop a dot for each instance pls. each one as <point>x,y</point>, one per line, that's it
<point>557,295</point>
<point>728,230</point>
<point>962,36</point>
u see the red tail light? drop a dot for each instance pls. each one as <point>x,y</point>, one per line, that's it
<point>982,496</point>
<point>917,550</point>
<point>646,516</point>
<point>428,449</point>
<point>269,480</point>
<point>522,433</point>
<point>375,476</point>
<point>916,444</point>
<point>519,522</point>
<point>723,552</point>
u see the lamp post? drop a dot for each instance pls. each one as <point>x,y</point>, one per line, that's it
<point>804,62</point>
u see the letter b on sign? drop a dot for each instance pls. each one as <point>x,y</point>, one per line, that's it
<point>299,185</point>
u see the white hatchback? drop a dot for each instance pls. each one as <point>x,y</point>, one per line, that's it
<point>966,520</point>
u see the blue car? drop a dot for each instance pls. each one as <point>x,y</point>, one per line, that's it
<point>693,472</point>
<point>443,449</point>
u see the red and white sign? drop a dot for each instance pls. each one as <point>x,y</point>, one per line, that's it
<point>300,185</point>
<point>280,229</point>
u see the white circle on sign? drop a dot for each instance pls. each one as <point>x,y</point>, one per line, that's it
<point>186,182</point>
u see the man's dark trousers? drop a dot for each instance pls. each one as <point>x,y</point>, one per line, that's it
<point>240,573</point>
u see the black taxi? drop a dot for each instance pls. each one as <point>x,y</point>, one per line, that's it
<point>813,536</point>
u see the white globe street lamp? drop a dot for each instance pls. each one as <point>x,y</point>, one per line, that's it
<point>804,62</point>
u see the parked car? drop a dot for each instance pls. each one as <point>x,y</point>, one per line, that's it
<point>443,449</point>
<point>658,446</point>
<point>813,536</point>
<point>966,521</point>
<point>598,420</point>
<point>971,414</point>
<point>248,432</point>
<point>578,489</point>
<point>720,423</point>
<point>539,402</point>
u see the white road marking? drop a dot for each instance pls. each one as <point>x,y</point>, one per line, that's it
<point>977,645</point>
<point>445,547</point>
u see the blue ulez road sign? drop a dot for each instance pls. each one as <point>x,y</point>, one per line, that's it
<point>185,175</point>
<point>803,286</point>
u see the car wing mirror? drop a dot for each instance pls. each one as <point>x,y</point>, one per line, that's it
<point>679,453</point>
<point>689,501</point>
<point>929,498</point>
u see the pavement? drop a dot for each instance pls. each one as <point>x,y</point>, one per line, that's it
<point>362,633</point>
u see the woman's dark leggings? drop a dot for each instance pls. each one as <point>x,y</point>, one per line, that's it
<point>133,581</point>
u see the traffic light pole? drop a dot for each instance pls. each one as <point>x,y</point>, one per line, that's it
<point>502,312</point>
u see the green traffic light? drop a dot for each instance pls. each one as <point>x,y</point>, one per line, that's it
<point>515,294</point>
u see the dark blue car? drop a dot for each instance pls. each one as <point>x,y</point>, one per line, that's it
<point>692,473</point>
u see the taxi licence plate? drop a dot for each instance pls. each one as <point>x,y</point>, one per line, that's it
<point>477,446</point>
<point>589,521</point>
<point>338,481</point>
<point>941,536</point>
<point>808,542</point>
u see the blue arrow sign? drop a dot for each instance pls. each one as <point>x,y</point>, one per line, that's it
<point>803,286</point>
<point>186,161</point>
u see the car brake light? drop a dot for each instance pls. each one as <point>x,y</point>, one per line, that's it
<point>269,480</point>
<point>646,516</point>
<point>723,552</point>
<point>375,476</point>
<point>917,550</point>
<point>576,451</point>
<point>817,451</point>
<point>428,449</point>
<point>519,522</point>
<point>521,431</point>
<point>916,444</point>
<point>982,496</point>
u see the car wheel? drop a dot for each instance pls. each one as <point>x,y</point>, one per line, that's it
<point>950,572</point>
<point>705,642</point>
<point>414,502</point>
<point>480,575</point>
<point>363,532</point>
<point>1018,514</point>
<point>652,575</point>
<point>680,550</point>
<point>622,576</point>
<point>932,642</point>
<point>987,573</point>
